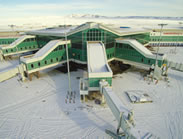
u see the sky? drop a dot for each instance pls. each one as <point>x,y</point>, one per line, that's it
<point>25,11</point>
<point>22,8</point>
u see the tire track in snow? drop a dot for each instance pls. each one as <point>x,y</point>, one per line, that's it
<point>89,132</point>
<point>26,102</point>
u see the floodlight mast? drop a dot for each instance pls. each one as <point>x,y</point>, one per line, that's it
<point>68,68</point>
<point>180,23</point>
<point>156,62</point>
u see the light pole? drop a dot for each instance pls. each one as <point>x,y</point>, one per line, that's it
<point>180,23</point>
<point>68,68</point>
<point>156,62</point>
<point>13,30</point>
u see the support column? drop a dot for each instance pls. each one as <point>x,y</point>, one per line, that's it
<point>37,74</point>
<point>1,57</point>
<point>103,99</point>
<point>30,76</point>
<point>23,77</point>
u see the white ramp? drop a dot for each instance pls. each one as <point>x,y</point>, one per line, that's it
<point>44,51</point>
<point>8,74</point>
<point>5,75</point>
<point>18,41</point>
<point>97,60</point>
<point>140,48</point>
<point>119,110</point>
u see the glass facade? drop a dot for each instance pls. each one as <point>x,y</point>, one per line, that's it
<point>79,42</point>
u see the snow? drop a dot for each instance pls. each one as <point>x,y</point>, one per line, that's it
<point>54,31</point>
<point>171,55</point>
<point>138,96</point>
<point>116,101</point>
<point>43,51</point>
<point>37,109</point>
<point>97,58</point>
<point>17,41</point>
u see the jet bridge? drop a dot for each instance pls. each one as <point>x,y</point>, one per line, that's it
<point>122,114</point>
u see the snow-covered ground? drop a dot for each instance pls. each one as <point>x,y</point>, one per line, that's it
<point>37,109</point>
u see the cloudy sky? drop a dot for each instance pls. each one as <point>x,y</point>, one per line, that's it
<point>24,8</point>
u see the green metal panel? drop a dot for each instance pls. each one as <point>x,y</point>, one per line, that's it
<point>28,45</point>
<point>110,52</point>
<point>79,42</point>
<point>94,82</point>
<point>56,56</point>
<point>143,38</point>
<point>31,45</point>
<point>7,40</point>
<point>125,51</point>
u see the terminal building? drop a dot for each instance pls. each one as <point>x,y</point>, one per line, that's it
<point>91,43</point>
<point>95,45</point>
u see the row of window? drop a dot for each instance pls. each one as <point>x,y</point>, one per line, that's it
<point>6,42</point>
<point>130,54</point>
<point>29,40</point>
<point>94,35</point>
<point>109,45</point>
<point>124,46</point>
<point>60,47</point>
<point>110,55</point>
<point>28,47</point>
<point>165,39</point>
<point>136,57</point>
<point>46,62</point>
<point>167,44</point>
<point>22,48</point>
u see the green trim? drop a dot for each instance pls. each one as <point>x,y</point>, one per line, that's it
<point>94,82</point>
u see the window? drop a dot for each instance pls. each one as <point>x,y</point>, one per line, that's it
<point>6,51</point>
<point>57,59</point>
<point>110,45</point>
<point>51,60</point>
<point>32,66</point>
<point>45,62</point>
<point>11,50</point>
<point>60,47</point>
<point>32,39</point>
<point>142,60</point>
<point>149,61</point>
<point>39,64</point>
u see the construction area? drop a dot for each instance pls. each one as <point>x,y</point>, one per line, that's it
<point>93,82</point>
